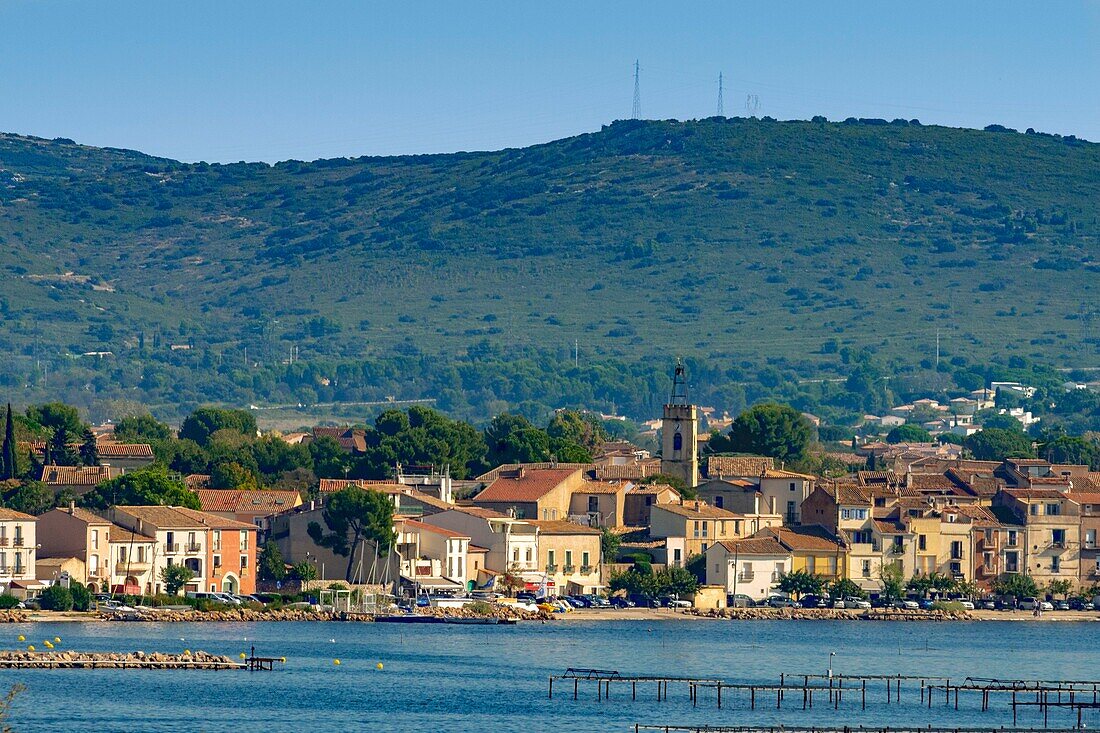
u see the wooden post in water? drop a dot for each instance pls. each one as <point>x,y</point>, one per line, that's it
<point>864,694</point>
<point>633,689</point>
<point>551,695</point>
<point>719,694</point>
<point>752,698</point>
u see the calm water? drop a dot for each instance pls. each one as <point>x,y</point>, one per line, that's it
<point>454,678</point>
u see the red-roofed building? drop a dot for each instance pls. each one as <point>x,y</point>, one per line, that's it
<point>532,493</point>
<point>247,506</point>
<point>434,558</point>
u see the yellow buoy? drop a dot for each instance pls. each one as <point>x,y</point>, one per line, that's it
<point>22,638</point>
<point>379,665</point>
<point>282,659</point>
<point>186,652</point>
<point>47,644</point>
<point>242,655</point>
<point>30,647</point>
<point>336,662</point>
<point>57,640</point>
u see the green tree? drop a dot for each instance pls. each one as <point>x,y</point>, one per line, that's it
<point>59,451</point>
<point>355,515</point>
<point>175,577</point>
<point>30,497</point>
<point>772,429</point>
<point>676,581</point>
<point>1059,587</point>
<point>994,444</point>
<point>89,448</point>
<point>330,460</point>
<point>9,467</point>
<point>56,415</point>
<point>150,486</point>
<point>497,435</point>
<point>1073,450</point>
<point>908,434</point>
<point>998,421</point>
<point>609,544</point>
<point>573,426</point>
<point>845,588</point>
<point>82,597</point>
<point>1018,585</point>
<point>201,424</point>
<point>56,598</point>
<point>271,564</point>
<point>925,583</point>
<point>892,579</point>
<point>142,429</point>
<point>799,583</point>
<point>230,475</point>
<point>304,571</point>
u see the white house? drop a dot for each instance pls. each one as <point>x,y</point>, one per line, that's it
<point>748,567</point>
<point>512,544</point>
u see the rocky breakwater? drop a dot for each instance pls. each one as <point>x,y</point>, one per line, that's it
<point>11,616</point>
<point>497,611</point>
<point>167,615</point>
<point>111,660</point>
<point>827,614</point>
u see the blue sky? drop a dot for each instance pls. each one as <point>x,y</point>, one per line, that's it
<point>242,80</point>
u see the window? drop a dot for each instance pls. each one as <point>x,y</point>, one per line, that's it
<point>989,535</point>
<point>244,539</point>
<point>515,554</point>
<point>987,559</point>
<point>677,442</point>
<point>244,562</point>
<point>95,539</point>
<point>217,561</point>
<point>1012,537</point>
<point>1058,537</point>
<point>922,542</point>
<point>1034,509</point>
<point>956,550</point>
<point>1090,538</point>
<point>853,513</point>
<point>550,558</point>
<point>593,504</point>
<point>1054,510</point>
<point>585,557</point>
<point>569,558</point>
<point>956,568</point>
<point>792,512</point>
<point>93,565</point>
<point>676,557</point>
<point>695,529</point>
<point>718,501</point>
<point>528,556</point>
<point>706,526</point>
<point>1012,562</point>
<point>866,570</point>
<point>649,501</point>
<point>122,554</point>
<point>217,539</point>
<point>811,564</point>
<point>1055,564</point>
<point>792,486</point>
<point>832,565</point>
<point>862,537</point>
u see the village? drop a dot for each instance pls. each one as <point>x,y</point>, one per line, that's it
<point>926,524</point>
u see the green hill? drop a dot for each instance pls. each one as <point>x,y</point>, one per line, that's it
<point>743,244</point>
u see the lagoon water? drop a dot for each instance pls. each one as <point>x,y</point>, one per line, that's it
<point>467,679</point>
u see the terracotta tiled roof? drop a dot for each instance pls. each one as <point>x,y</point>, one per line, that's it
<point>560,526</point>
<point>525,485</point>
<point>652,489</point>
<point>83,515</point>
<point>755,546</point>
<point>805,537</point>
<point>490,476</point>
<point>847,494</point>
<point>424,527</point>
<point>332,485</point>
<point>426,499</point>
<point>197,481</point>
<point>887,526</point>
<point>119,535</point>
<point>718,466</point>
<point>261,502</point>
<point>1083,497</point>
<point>78,475</point>
<point>480,512</point>
<point>930,482</point>
<point>1026,494</point>
<point>171,517</point>
<point>697,510</point>
<point>603,487</point>
<point>125,450</point>
<point>779,473</point>
<point>10,515</point>
<point>629,471</point>
<point>476,549</point>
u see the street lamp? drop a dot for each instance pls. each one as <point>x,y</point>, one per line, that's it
<point>831,655</point>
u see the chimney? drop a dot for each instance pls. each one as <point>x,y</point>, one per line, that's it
<point>72,507</point>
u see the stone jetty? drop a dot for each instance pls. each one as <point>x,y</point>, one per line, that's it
<point>249,615</point>
<point>109,660</point>
<point>829,614</point>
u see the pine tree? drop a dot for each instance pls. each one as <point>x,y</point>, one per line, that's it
<point>89,449</point>
<point>8,466</point>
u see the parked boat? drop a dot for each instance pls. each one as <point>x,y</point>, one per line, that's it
<point>408,618</point>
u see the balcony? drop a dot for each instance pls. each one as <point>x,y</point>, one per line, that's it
<point>552,567</point>
<point>745,577</point>
<point>132,567</point>
<point>17,542</point>
<point>585,569</point>
<point>3,542</point>
<point>568,568</point>
<point>193,547</point>
<point>172,549</point>
<point>897,549</point>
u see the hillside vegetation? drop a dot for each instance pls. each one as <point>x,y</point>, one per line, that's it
<point>763,251</point>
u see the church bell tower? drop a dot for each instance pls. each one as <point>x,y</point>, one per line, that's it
<point>680,433</point>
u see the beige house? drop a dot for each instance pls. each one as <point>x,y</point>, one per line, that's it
<point>78,479</point>
<point>784,492</point>
<point>748,567</point>
<point>18,548</point>
<point>701,525</point>
<point>127,456</point>
<point>511,544</point>
<point>113,558</point>
<point>569,555</point>
<point>1051,531</point>
<point>599,503</point>
<point>433,557</point>
<point>532,493</point>
<point>640,500</point>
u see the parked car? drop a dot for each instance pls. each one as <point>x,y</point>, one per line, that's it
<point>678,603</point>
<point>1079,604</point>
<point>987,604</point>
<point>967,605</point>
<point>1061,606</point>
<point>620,602</point>
<point>926,604</point>
<point>812,601</point>
<point>740,600</point>
<point>579,601</point>
<point>1046,606</point>
<point>780,602</point>
<point>854,602</point>
<point>598,601</point>
<point>1028,604</point>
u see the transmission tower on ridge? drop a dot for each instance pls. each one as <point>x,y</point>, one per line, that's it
<point>637,111</point>
<point>721,106</point>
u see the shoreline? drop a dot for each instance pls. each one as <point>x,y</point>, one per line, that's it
<point>603,615</point>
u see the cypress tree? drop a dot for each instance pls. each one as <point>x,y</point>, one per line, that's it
<point>8,467</point>
<point>89,449</point>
